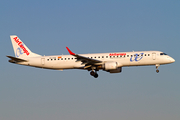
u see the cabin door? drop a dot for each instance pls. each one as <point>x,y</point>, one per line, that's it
<point>154,56</point>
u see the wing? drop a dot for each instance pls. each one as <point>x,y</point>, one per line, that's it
<point>14,59</point>
<point>85,60</point>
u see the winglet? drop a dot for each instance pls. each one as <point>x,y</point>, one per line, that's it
<point>70,52</point>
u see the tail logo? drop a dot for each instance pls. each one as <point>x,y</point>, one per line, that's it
<point>19,52</point>
<point>21,49</point>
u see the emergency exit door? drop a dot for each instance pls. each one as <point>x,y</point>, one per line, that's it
<point>42,61</point>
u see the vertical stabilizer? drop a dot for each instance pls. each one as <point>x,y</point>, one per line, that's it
<point>20,49</point>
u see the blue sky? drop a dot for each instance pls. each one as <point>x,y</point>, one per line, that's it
<point>47,27</point>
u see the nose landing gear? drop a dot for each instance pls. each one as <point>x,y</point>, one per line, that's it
<point>92,73</point>
<point>157,68</point>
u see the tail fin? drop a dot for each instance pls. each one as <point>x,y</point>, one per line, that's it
<point>20,49</point>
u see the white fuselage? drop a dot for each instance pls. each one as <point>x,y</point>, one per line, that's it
<point>140,58</point>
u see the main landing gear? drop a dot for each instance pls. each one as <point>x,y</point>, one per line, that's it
<point>157,68</point>
<point>92,73</point>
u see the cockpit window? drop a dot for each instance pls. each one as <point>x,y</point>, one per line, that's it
<point>163,54</point>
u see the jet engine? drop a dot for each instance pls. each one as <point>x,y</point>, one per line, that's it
<point>112,67</point>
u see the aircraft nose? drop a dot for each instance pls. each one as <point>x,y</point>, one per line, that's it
<point>172,60</point>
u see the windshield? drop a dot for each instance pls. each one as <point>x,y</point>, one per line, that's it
<point>163,54</point>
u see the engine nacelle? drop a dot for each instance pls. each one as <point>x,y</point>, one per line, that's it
<point>118,70</point>
<point>110,66</point>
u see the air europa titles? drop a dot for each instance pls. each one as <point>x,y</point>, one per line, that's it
<point>117,54</point>
<point>21,45</point>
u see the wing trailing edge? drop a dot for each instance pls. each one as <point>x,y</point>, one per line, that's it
<point>88,62</point>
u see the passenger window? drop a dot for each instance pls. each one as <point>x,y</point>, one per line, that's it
<point>102,56</point>
<point>106,56</point>
<point>61,58</point>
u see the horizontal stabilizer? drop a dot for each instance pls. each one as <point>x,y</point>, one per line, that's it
<point>14,59</point>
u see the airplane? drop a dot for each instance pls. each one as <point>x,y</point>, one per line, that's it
<point>109,62</point>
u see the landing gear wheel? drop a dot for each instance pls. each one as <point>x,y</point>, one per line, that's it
<point>157,65</point>
<point>92,73</point>
<point>96,75</point>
